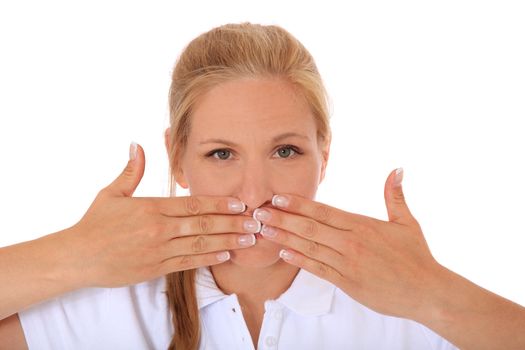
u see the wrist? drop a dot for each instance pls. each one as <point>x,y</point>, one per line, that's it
<point>62,270</point>
<point>35,271</point>
<point>435,309</point>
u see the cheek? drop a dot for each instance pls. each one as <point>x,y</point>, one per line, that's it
<point>211,180</point>
<point>302,180</point>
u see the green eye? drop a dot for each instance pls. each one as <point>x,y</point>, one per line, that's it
<point>222,154</point>
<point>285,152</point>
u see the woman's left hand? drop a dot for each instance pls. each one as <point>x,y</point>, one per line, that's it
<point>385,265</point>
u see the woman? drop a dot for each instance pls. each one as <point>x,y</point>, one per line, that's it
<point>249,136</point>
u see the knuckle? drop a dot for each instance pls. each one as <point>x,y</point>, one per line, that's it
<point>128,172</point>
<point>199,244</point>
<point>312,249</point>
<point>205,223</point>
<point>144,207</point>
<point>192,205</point>
<point>151,207</point>
<point>218,206</point>
<point>103,193</point>
<point>152,235</point>
<point>310,228</point>
<point>177,228</point>
<point>399,196</point>
<point>323,213</point>
<point>158,229</point>
<point>321,269</point>
<point>416,224</point>
<point>186,261</point>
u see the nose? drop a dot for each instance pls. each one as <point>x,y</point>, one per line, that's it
<point>255,184</point>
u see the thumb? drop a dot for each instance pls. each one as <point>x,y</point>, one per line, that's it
<point>395,199</point>
<point>126,183</point>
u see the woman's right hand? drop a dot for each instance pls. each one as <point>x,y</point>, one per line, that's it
<point>123,240</point>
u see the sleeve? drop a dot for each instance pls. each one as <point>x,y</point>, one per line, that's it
<point>436,342</point>
<point>133,317</point>
<point>72,321</point>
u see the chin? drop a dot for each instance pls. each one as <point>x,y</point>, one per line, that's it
<point>263,254</point>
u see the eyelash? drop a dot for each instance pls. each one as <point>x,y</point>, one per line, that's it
<point>295,149</point>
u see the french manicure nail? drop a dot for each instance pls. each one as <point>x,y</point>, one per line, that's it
<point>280,201</point>
<point>252,226</point>
<point>236,206</point>
<point>268,231</point>
<point>246,240</point>
<point>223,256</point>
<point>399,177</point>
<point>261,215</point>
<point>132,151</point>
<point>285,255</point>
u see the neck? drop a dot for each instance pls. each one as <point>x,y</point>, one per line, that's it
<point>254,286</point>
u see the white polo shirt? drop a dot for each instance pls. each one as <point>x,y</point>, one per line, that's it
<point>311,314</point>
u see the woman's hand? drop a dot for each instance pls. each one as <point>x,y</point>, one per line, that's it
<point>386,266</point>
<point>123,240</point>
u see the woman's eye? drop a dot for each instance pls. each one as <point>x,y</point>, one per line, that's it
<point>222,154</point>
<point>285,152</point>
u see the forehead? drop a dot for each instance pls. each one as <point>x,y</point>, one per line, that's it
<point>248,108</point>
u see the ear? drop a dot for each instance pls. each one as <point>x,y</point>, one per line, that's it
<point>177,171</point>
<point>167,140</point>
<point>325,153</point>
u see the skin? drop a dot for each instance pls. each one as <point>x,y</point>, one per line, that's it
<point>386,265</point>
<point>278,152</point>
<point>108,249</point>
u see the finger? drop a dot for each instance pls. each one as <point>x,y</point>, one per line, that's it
<point>195,205</point>
<point>318,211</point>
<point>396,205</point>
<point>318,268</point>
<point>312,249</point>
<point>187,262</point>
<point>126,183</point>
<point>303,226</point>
<point>209,224</point>
<point>205,244</point>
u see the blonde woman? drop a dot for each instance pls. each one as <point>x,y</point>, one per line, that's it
<point>250,259</point>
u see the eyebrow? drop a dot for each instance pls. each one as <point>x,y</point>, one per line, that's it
<point>274,139</point>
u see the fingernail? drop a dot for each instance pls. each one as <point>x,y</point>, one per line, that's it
<point>252,226</point>
<point>223,256</point>
<point>268,231</point>
<point>246,240</point>
<point>399,177</point>
<point>236,206</point>
<point>280,201</point>
<point>261,215</point>
<point>132,151</point>
<point>285,255</point>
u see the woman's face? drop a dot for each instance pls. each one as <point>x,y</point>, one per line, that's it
<point>250,139</point>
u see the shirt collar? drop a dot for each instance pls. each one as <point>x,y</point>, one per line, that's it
<point>308,295</point>
<point>207,290</point>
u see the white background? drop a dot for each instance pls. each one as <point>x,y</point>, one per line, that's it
<point>435,87</point>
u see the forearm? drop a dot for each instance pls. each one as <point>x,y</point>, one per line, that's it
<point>472,317</point>
<point>32,272</point>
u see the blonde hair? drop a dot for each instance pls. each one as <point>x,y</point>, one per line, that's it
<point>222,54</point>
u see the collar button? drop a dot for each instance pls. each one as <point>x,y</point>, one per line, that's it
<point>270,341</point>
<point>278,314</point>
